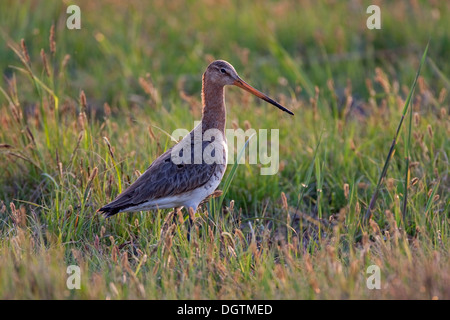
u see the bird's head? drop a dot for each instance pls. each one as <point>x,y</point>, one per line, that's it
<point>223,73</point>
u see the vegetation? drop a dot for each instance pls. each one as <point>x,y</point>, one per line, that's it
<point>84,112</point>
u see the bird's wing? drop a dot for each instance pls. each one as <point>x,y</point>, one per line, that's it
<point>162,179</point>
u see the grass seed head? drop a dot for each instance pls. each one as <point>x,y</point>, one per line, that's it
<point>45,63</point>
<point>52,40</point>
<point>430,131</point>
<point>25,52</point>
<point>83,102</point>
<point>346,190</point>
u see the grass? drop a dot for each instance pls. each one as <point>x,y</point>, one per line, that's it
<point>83,117</point>
<point>406,108</point>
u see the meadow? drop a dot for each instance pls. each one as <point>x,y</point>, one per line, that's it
<point>84,112</point>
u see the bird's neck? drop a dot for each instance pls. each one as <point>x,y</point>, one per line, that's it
<point>213,101</point>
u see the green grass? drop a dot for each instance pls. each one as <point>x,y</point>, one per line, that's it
<point>78,129</point>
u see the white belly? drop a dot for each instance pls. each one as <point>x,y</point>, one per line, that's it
<point>188,199</point>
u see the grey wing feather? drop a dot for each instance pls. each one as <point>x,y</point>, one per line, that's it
<point>162,178</point>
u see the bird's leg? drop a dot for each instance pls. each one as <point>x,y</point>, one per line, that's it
<point>176,213</point>
<point>191,222</point>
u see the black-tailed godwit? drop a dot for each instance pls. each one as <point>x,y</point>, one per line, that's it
<point>174,179</point>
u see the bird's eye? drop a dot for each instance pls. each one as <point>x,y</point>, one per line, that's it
<point>223,70</point>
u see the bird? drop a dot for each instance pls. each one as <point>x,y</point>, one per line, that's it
<point>192,169</point>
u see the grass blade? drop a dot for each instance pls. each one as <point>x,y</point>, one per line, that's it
<point>371,206</point>
<point>309,173</point>
<point>233,172</point>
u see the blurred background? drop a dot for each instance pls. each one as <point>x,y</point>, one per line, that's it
<point>141,62</point>
<point>292,43</point>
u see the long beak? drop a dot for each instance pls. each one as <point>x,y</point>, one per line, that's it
<point>244,85</point>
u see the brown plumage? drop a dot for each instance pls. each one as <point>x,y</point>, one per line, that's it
<point>170,184</point>
<point>162,178</point>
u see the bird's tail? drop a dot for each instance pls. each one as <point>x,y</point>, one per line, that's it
<point>108,211</point>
